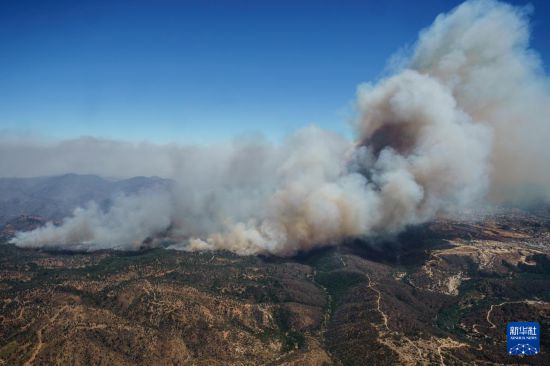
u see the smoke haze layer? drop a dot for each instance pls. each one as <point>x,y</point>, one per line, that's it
<point>465,119</point>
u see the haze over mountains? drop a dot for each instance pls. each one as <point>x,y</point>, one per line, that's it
<point>56,197</point>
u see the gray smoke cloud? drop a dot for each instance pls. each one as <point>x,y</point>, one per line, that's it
<point>465,118</point>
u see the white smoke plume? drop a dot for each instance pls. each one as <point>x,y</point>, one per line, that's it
<point>129,221</point>
<point>465,118</point>
<point>480,51</point>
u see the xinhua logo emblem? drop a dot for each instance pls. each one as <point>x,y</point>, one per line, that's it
<point>523,338</point>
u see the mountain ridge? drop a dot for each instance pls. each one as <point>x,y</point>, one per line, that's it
<point>56,197</point>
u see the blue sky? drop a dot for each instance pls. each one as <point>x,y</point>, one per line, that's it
<point>199,71</point>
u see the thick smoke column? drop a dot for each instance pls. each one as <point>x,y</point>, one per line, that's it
<point>419,154</point>
<point>465,117</point>
<point>480,51</point>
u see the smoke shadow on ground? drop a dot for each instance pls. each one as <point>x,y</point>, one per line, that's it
<point>412,247</point>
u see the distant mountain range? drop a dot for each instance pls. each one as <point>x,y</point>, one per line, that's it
<point>54,198</point>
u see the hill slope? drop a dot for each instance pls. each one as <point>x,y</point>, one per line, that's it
<point>440,294</point>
